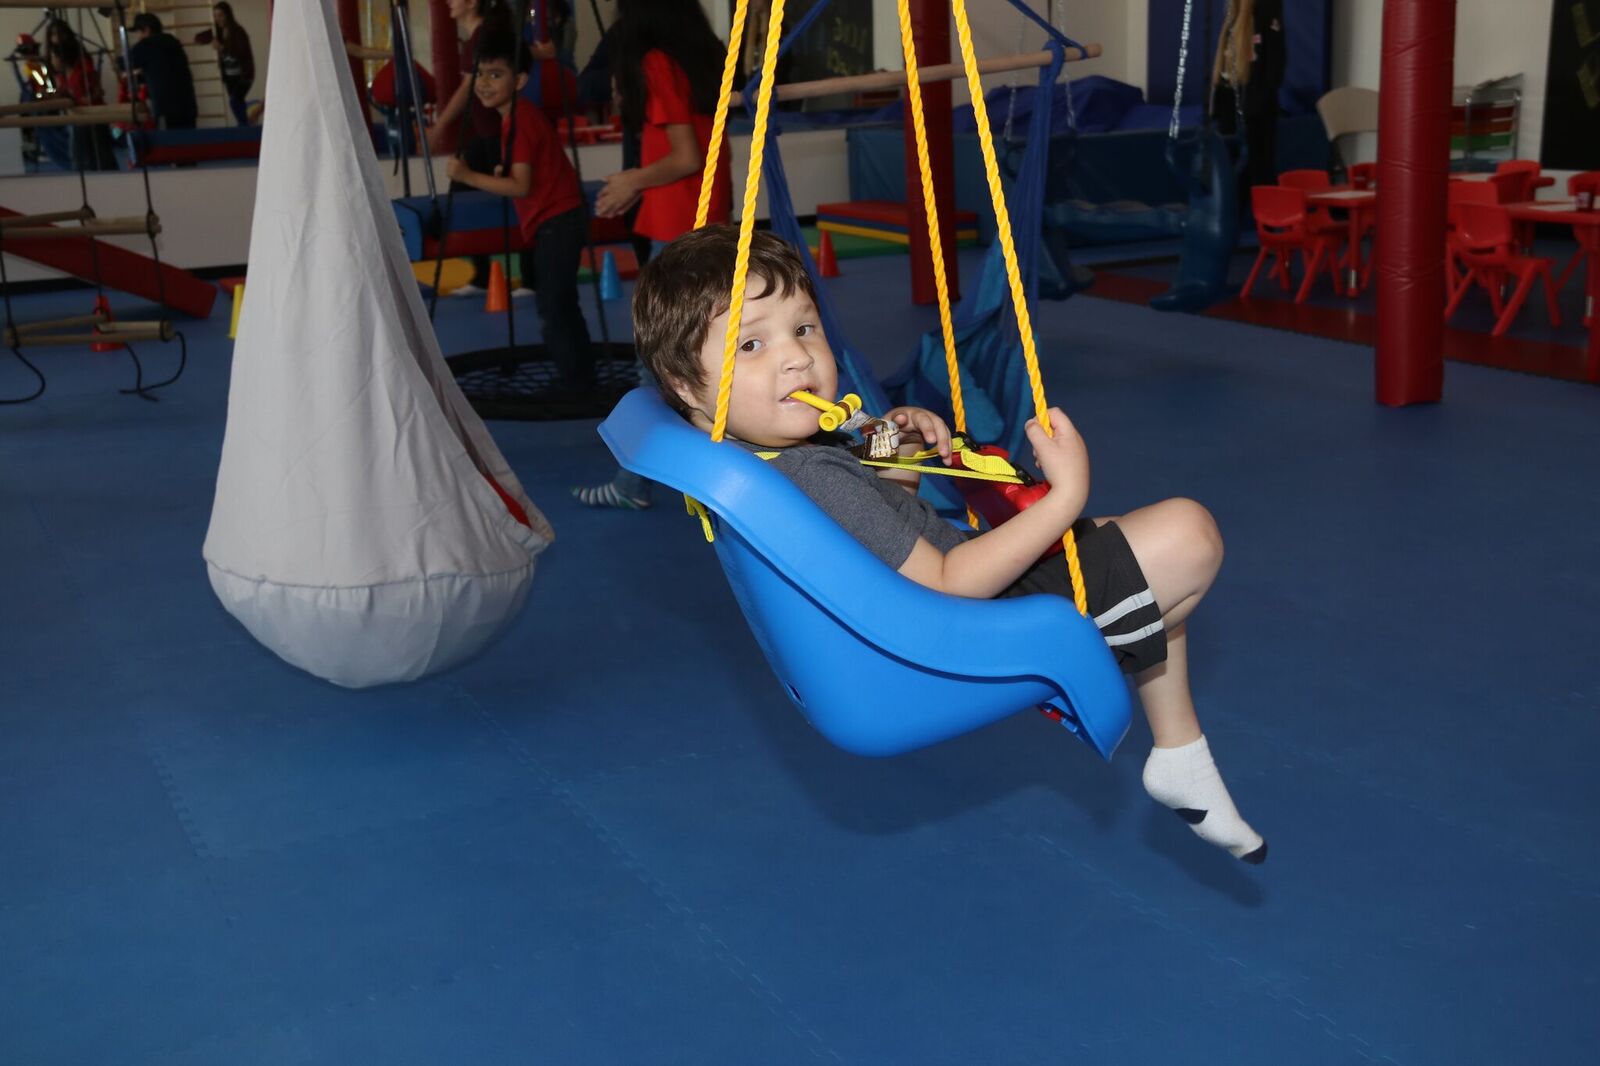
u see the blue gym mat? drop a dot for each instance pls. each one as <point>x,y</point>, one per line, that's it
<point>611,840</point>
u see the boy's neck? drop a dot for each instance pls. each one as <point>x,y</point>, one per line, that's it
<point>505,108</point>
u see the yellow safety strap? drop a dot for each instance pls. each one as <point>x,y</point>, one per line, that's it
<point>1008,248</point>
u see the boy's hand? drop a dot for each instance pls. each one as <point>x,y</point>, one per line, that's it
<point>929,426</point>
<point>619,194</point>
<point>457,170</point>
<point>1063,459</point>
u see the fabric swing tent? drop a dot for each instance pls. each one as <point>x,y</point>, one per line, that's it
<point>834,622</point>
<point>365,526</point>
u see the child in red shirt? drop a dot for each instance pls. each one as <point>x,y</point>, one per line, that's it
<point>544,189</point>
<point>666,63</point>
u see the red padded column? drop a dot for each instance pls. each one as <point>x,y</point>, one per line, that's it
<point>930,29</point>
<point>446,57</point>
<point>350,28</point>
<point>1413,175</point>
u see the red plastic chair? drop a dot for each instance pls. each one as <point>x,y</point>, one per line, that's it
<point>1486,245</point>
<point>1283,226</point>
<point>1458,193</point>
<point>1311,181</point>
<point>1363,175</point>
<point>1589,182</point>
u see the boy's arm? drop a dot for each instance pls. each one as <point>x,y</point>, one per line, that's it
<point>930,431</point>
<point>517,186</point>
<point>986,565</point>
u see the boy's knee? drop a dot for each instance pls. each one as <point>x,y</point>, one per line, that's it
<point>1198,530</point>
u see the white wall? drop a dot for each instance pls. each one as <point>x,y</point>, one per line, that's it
<point>1493,38</point>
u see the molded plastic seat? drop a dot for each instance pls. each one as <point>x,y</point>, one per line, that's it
<point>1284,228</point>
<point>879,664</point>
<point>1486,244</point>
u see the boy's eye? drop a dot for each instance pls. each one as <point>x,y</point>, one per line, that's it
<point>750,345</point>
<point>805,331</point>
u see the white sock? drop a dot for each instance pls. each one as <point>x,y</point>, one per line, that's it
<point>1186,779</point>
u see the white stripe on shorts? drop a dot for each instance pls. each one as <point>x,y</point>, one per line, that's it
<point>1137,635</point>
<point>1126,607</point>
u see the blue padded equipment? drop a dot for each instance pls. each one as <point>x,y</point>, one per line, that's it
<point>1212,228</point>
<point>836,624</point>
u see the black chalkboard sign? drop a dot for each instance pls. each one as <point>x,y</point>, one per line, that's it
<point>1571,139</point>
<point>839,43</point>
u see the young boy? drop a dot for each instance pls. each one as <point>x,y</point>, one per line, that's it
<point>544,188</point>
<point>1144,571</point>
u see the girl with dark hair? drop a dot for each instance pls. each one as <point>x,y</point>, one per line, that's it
<point>234,57</point>
<point>666,64</point>
<point>77,76</point>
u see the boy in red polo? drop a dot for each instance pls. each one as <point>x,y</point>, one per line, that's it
<point>544,188</point>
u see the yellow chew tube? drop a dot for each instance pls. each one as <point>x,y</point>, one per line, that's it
<point>834,415</point>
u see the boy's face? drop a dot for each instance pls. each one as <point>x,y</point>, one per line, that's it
<point>781,348</point>
<point>496,83</point>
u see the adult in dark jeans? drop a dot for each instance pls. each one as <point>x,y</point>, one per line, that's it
<point>1246,76</point>
<point>235,59</point>
<point>159,63</point>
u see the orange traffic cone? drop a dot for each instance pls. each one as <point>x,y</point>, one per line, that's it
<point>498,301</point>
<point>827,264</point>
<point>103,308</point>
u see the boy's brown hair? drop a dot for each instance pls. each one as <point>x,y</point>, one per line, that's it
<point>687,284</point>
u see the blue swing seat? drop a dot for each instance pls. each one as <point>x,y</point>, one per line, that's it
<point>879,664</point>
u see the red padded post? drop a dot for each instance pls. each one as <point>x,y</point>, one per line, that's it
<point>350,29</point>
<point>930,29</point>
<point>1413,178</point>
<point>446,58</point>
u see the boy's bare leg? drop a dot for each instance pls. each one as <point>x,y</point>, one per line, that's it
<point>1180,550</point>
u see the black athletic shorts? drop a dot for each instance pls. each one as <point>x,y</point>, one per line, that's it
<point>1120,600</point>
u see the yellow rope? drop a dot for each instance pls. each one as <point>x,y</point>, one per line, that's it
<point>719,121</point>
<point>1008,248</point>
<point>747,217</point>
<point>908,48</point>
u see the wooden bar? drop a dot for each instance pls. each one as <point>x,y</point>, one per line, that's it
<point>361,51</point>
<point>98,115</point>
<point>148,226</point>
<point>122,334</point>
<point>13,221</point>
<point>33,107</point>
<point>894,79</point>
<point>52,3</point>
<point>29,329</point>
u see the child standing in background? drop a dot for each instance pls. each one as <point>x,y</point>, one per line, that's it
<point>539,179</point>
<point>666,64</point>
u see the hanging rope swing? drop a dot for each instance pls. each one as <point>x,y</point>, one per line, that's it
<point>827,612</point>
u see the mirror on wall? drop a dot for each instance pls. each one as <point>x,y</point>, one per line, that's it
<point>201,71</point>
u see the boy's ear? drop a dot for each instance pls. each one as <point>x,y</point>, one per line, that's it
<point>522,81</point>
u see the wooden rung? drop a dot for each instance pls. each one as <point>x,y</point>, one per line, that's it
<point>361,51</point>
<point>111,332</point>
<point>13,221</point>
<point>34,107</point>
<point>97,115</point>
<point>150,225</point>
<point>894,79</point>
<point>29,329</point>
<point>53,3</point>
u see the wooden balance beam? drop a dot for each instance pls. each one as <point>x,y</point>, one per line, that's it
<point>895,79</point>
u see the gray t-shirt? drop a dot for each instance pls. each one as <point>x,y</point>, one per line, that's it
<point>880,514</point>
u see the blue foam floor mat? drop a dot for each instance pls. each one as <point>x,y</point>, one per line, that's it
<point>609,839</point>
